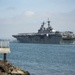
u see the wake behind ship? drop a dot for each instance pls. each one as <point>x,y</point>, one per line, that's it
<point>46,36</point>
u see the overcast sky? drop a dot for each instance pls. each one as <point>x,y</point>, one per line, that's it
<point>24,16</point>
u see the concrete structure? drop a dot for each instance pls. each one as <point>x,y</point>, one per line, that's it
<point>4,48</point>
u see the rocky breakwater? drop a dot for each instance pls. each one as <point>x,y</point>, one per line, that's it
<point>6,68</point>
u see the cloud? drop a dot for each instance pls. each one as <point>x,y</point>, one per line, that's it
<point>8,9</point>
<point>29,13</point>
<point>30,21</point>
<point>11,8</point>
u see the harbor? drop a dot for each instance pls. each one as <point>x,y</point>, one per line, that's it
<point>37,37</point>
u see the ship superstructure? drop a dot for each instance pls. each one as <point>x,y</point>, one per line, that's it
<point>46,36</point>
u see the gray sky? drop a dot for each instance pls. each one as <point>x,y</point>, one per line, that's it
<point>23,16</point>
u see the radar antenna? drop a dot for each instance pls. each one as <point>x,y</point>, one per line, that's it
<point>43,23</point>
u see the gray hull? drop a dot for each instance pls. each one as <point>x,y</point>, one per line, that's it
<point>51,39</point>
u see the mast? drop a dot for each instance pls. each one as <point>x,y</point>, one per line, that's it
<point>49,26</point>
<point>43,24</point>
<point>48,23</point>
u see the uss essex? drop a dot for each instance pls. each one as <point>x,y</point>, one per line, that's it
<point>46,36</point>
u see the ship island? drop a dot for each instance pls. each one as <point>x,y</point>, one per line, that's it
<point>46,36</point>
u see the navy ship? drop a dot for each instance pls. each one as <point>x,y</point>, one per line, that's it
<point>46,36</point>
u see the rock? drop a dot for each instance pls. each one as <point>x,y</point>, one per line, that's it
<point>6,68</point>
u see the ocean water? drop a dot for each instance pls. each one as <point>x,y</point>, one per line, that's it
<point>43,59</point>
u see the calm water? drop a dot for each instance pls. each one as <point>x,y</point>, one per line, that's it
<point>43,59</point>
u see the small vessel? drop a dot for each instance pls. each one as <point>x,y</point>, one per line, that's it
<point>46,36</point>
<point>68,37</point>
